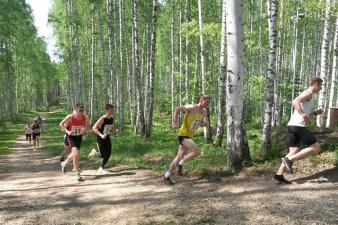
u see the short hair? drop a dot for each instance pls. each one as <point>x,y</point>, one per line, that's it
<point>203,95</point>
<point>79,106</point>
<point>108,106</point>
<point>316,80</point>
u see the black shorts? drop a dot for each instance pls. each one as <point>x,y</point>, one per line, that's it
<point>65,139</point>
<point>36,135</point>
<point>75,141</point>
<point>181,138</point>
<point>104,146</point>
<point>28,136</point>
<point>298,135</point>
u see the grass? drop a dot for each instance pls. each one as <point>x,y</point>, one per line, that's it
<point>157,152</point>
<point>10,131</point>
<point>130,150</point>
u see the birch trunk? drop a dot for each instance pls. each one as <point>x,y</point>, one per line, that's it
<point>221,81</point>
<point>187,51</point>
<point>102,54</point>
<point>269,94</point>
<point>333,90</point>
<point>235,73</point>
<point>324,63</point>
<point>172,60</point>
<point>207,134</point>
<point>138,84</point>
<point>120,77</point>
<point>151,73</point>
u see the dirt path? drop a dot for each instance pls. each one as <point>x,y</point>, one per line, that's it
<point>34,191</point>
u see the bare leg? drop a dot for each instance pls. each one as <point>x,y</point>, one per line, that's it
<point>195,150</point>
<point>76,159</point>
<point>178,157</point>
<point>315,148</point>
<point>282,168</point>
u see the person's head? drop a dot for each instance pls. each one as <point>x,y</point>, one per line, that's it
<point>79,109</point>
<point>316,84</point>
<point>109,109</point>
<point>204,100</point>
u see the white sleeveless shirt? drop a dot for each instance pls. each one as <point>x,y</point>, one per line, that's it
<point>296,119</point>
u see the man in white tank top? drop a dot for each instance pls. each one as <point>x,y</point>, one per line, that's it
<point>298,133</point>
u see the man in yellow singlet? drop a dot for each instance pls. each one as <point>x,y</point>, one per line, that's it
<point>193,119</point>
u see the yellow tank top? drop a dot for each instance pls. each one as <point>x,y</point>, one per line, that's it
<point>191,123</point>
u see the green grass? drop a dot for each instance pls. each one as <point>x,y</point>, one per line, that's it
<point>128,149</point>
<point>10,131</point>
<point>157,152</point>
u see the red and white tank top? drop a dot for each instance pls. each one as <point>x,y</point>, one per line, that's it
<point>76,124</point>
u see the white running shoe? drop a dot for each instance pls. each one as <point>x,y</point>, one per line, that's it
<point>101,171</point>
<point>63,167</point>
<point>78,176</point>
<point>93,154</point>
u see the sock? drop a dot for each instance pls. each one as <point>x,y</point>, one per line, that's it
<point>167,174</point>
<point>181,162</point>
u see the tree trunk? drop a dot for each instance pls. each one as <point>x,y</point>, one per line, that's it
<point>324,63</point>
<point>151,73</point>
<point>140,104</point>
<point>120,77</point>
<point>235,57</point>
<point>172,60</point>
<point>221,81</point>
<point>333,90</point>
<point>269,94</point>
<point>187,51</point>
<point>92,66</point>
<point>102,55</point>
<point>207,134</point>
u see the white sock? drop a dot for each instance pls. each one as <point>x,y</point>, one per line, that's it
<point>181,162</point>
<point>167,174</point>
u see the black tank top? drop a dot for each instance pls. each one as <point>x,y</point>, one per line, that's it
<point>107,125</point>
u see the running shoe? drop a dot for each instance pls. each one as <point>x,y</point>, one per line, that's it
<point>93,153</point>
<point>79,177</point>
<point>169,180</point>
<point>63,167</point>
<point>279,179</point>
<point>179,169</point>
<point>288,164</point>
<point>101,171</point>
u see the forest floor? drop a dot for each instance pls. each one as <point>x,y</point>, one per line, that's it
<point>34,191</point>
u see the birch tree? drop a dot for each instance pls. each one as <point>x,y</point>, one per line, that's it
<point>324,62</point>
<point>151,73</point>
<point>137,75</point>
<point>235,73</point>
<point>269,93</point>
<point>333,90</point>
<point>221,81</point>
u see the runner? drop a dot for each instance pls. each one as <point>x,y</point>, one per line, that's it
<point>28,132</point>
<point>193,118</point>
<point>40,121</point>
<point>103,128</point>
<point>74,126</point>
<point>36,129</point>
<point>298,133</point>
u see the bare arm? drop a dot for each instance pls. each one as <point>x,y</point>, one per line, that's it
<point>304,96</point>
<point>96,127</point>
<point>178,110</point>
<point>63,123</point>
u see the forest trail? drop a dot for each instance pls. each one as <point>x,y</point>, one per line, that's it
<point>34,191</point>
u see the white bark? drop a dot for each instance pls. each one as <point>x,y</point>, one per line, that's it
<point>235,74</point>
<point>324,63</point>
<point>120,77</point>
<point>221,81</point>
<point>333,90</point>
<point>269,94</point>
